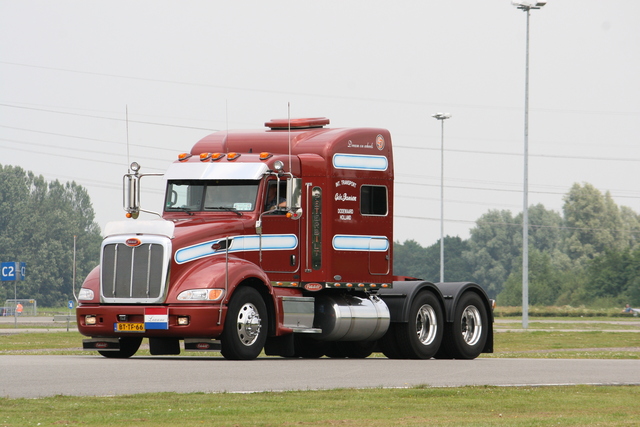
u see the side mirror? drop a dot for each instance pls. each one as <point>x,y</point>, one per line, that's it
<point>131,195</point>
<point>294,193</point>
<point>294,198</point>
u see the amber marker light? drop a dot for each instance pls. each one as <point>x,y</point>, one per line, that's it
<point>215,294</point>
<point>201,295</point>
<point>233,156</point>
<point>205,156</point>
<point>264,155</point>
<point>217,156</point>
<point>183,156</point>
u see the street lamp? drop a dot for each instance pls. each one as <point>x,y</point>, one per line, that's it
<point>442,117</point>
<point>526,6</point>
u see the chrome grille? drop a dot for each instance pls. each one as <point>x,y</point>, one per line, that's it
<point>133,274</point>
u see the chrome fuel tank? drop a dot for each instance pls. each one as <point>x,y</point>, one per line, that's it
<point>345,317</point>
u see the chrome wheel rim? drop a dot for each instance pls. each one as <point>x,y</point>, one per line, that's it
<point>426,324</point>
<point>249,324</point>
<point>471,323</point>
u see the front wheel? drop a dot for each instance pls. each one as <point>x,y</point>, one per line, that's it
<point>245,327</point>
<point>128,347</point>
<point>468,333</point>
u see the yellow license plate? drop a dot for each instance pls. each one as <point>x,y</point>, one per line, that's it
<point>129,327</point>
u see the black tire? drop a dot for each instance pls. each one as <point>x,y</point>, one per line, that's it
<point>245,327</point>
<point>351,349</point>
<point>389,343</point>
<point>468,333</point>
<point>421,336</point>
<point>128,347</point>
<point>309,348</point>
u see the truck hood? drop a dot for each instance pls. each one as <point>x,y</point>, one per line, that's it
<point>191,238</point>
<point>202,237</point>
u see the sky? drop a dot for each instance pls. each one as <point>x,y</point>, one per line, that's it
<point>71,72</point>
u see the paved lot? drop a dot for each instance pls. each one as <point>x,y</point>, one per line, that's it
<point>96,376</point>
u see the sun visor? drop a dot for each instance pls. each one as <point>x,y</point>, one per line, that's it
<point>215,171</point>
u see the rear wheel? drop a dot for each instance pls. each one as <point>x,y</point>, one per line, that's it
<point>468,333</point>
<point>128,347</point>
<point>245,327</point>
<point>389,343</point>
<point>419,338</point>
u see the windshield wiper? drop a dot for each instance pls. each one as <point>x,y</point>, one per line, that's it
<point>183,209</point>
<point>225,208</point>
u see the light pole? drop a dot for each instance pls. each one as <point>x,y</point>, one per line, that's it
<point>526,7</point>
<point>442,117</point>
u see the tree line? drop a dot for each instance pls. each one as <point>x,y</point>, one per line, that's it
<point>587,255</point>
<point>38,222</point>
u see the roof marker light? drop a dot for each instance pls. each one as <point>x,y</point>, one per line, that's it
<point>217,156</point>
<point>184,156</point>
<point>264,155</point>
<point>232,156</point>
<point>205,156</point>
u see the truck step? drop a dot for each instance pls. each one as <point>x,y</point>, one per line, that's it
<point>202,344</point>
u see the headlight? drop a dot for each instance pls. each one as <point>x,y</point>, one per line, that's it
<point>85,294</point>
<point>201,295</point>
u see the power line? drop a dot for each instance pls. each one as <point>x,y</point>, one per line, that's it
<point>504,153</point>
<point>101,160</point>
<point>67,156</point>
<point>499,189</point>
<point>318,95</point>
<point>105,118</point>
<point>86,138</point>
<point>519,224</point>
<point>465,202</point>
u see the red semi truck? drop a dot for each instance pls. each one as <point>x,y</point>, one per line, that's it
<point>277,240</point>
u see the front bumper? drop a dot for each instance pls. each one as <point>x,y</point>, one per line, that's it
<point>204,321</point>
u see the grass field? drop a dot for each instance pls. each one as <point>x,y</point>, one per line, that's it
<point>479,406</point>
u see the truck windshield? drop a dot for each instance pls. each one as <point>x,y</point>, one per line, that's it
<point>213,195</point>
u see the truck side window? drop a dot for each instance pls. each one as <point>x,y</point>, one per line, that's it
<point>373,200</point>
<point>272,193</point>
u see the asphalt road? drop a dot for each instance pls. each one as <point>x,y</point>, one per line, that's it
<point>38,376</point>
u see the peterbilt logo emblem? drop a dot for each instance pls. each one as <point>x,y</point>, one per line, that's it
<point>102,345</point>
<point>203,346</point>
<point>133,242</point>
<point>313,287</point>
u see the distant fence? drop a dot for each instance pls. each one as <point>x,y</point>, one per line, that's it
<point>29,307</point>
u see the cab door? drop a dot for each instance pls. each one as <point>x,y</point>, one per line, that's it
<point>279,242</point>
